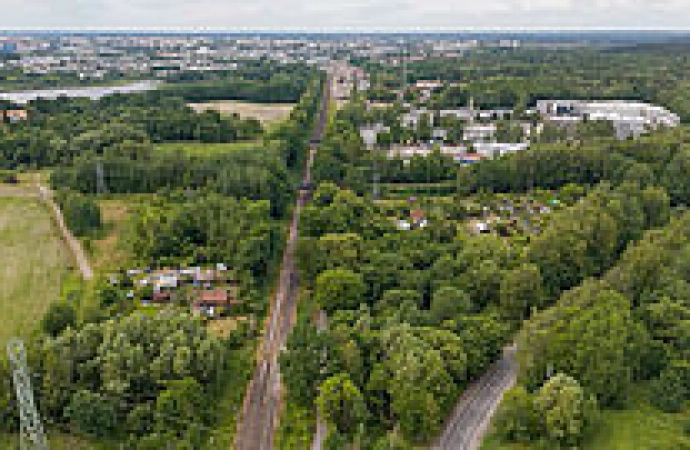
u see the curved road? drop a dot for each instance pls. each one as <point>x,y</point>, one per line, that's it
<point>476,406</point>
<point>259,418</point>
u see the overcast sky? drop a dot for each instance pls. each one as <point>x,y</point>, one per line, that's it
<point>344,14</point>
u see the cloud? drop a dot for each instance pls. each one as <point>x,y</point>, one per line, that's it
<point>362,14</point>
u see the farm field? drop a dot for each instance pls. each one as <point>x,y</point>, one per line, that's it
<point>203,149</point>
<point>264,112</point>
<point>34,264</point>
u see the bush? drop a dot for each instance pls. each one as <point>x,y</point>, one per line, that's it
<point>671,390</point>
<point>564,410</point>
<point>518,420</point>
<point>559,413</point>
<point>91,413</point>
<point>9,178</point>
<point>60,315</point>
<point>82,213</point>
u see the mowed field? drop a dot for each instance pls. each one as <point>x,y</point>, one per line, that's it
<point>264,112</point>
<point>33,264</point>
<point>203,149</point>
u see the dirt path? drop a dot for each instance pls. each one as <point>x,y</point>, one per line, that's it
<point>73,243</point>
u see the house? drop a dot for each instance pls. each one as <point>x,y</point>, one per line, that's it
<point>214,302</point>
<point>496,149</point>
<point>161,297</point>
<point>468,158</point>
<point>406,152</point>
<point>412,118</point>
<point>439,134</point>
<point>464,114</point>
<point>418,218</point>
<point>16,115</point>
<point>479,133</point>
<point>403,225</point>
<point>429,85</point>
<point>370,133</point>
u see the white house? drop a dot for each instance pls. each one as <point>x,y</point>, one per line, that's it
<point>479,132</point>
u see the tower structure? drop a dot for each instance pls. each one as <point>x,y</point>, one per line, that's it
<point>100,179</point>
<point>31,434</point>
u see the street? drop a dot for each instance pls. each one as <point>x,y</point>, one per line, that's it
<point>476,406</point>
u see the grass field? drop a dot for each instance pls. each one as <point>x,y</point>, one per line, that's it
<point>107,251</point>
<point>34,263</point>
<point>641,428</point>
<point>201,149</point>
<point>264,112</point>
<point>56,440</point>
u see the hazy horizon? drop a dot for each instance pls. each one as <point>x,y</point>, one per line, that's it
<point>353,15</point>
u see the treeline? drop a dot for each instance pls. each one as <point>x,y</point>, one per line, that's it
<point>62,130</point>
<point>658,159</point>
<point>280,89</point>
<point>255,173</point>
<point>255,81</point>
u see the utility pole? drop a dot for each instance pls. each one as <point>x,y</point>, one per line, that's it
<point>31,435</point>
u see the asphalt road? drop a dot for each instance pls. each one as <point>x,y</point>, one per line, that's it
<point>259,418</point>
<point>473,412</point>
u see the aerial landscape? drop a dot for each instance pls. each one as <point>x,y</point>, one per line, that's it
<point>357,226</point>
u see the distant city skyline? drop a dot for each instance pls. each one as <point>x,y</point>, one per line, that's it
<point>347,15</point>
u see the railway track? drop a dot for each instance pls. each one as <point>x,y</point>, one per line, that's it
<point>259,418</point>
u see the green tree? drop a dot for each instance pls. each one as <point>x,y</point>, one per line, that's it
<point>59,317</point>
<point>671,391</point>
<point>674,179</point>
<point>565,409</point>
<point>339,289</point>
<point>342,403</point>
<point>92,413</point>
<point>518,419</point>
<point>301,363</point>
<point>449,302</point>
<point>181,404</point>
<point>590,334</point>
<point>521,290</point>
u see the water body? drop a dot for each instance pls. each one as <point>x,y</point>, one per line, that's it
<point>94,93</point>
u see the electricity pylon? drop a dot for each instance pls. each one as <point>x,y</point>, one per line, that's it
<point>31,435</point>
<point>101,187</point>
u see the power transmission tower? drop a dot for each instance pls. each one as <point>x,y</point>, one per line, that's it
<point>31,435</point>
<point>100,179</point>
